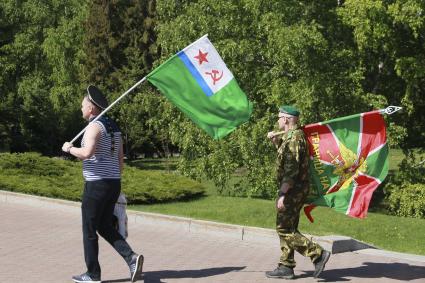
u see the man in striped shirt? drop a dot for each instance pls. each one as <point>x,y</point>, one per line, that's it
<point>102,154</point>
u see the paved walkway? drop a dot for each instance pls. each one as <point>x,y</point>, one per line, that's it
<point>44,244</point>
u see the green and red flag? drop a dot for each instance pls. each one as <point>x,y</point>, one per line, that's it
<point>348,161</point>
<point>198,82</point>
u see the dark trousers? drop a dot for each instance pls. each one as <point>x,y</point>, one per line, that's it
<point>97,208</point>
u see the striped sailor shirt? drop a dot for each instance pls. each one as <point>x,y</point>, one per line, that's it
<point>104,164</point>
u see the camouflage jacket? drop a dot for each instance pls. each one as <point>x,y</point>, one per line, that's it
<point>292,159</point>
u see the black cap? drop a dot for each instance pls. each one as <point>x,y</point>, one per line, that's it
<point>97,97</point>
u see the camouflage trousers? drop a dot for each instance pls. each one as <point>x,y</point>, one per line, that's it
<point>290,238</point>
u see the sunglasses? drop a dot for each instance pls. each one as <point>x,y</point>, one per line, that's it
<point>283,116</point>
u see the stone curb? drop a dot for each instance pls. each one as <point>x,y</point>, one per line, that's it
<point>333,243</point>
<point>394,255</point>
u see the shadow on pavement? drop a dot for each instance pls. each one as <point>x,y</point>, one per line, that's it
<point>156,276</point>
<point>396,271</point>
<point>117,280</point>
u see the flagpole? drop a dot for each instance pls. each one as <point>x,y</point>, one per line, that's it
<point>109,107</point>
<point>389,110</point>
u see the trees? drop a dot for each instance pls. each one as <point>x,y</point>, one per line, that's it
<point>120,46</point>
<point>390,44</point>
<point>50,50</point>
<point>330,58</point>
<point>31,68</point>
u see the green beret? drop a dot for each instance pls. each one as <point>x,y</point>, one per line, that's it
<point>289,109</point>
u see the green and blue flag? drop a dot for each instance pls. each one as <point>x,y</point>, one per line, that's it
<point>198,82</point>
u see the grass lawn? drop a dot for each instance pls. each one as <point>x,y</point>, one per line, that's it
<point>383,231</point>
<point>380,230</point>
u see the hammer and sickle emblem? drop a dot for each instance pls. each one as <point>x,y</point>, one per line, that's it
<point>215,75</point>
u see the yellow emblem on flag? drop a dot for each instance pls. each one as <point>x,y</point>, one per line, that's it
<point>348,167</point>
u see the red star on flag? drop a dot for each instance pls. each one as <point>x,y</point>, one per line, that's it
<point>202,57</point>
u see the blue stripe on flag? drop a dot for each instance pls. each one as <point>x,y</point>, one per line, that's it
<point>196,75</point>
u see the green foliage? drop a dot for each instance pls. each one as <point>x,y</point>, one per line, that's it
<point>157,186</point>
<point>31,173</point>
<point>329,58</point>
<point>326,59</point>
<point>40,41</point>
<point>406,189</point>
<point>389,37</point>
<point>120,47</point>
<point>411,168</point>
<point>100,45</point>
<point>408,200</point>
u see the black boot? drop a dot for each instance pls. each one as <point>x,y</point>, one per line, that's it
<point>319,265</point>
<point>281,272</point>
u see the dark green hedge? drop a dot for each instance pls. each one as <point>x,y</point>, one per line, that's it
<point>31,173</point>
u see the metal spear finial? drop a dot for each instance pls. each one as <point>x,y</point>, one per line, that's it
<point>391,109</point>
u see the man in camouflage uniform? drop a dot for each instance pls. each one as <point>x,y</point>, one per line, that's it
<point>293,188</point>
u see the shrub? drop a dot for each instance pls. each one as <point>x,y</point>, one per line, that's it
<point>32,173</point>
<point>408,200</point>
<point>153,186</point>
<point>406,189</point>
